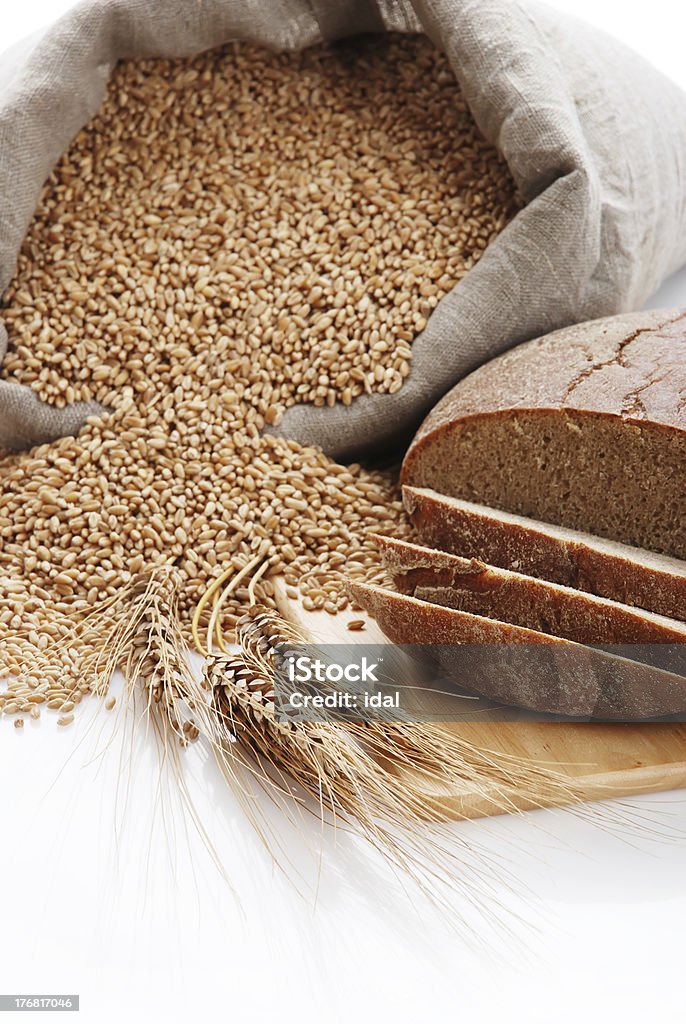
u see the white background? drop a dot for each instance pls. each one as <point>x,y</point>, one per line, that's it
<point>106,891</point>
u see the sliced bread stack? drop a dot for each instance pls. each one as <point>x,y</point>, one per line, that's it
<point>549,488</point>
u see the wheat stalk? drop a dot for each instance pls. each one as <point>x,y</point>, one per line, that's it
<point>356,773</point>
<point>346,769</point>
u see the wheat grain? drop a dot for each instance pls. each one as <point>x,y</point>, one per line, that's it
<point>230,235</point>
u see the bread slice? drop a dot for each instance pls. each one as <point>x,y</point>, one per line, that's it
<point>585,427</point>
<point>470,585</point>
<point>630,575</point>
<point>550,675</point>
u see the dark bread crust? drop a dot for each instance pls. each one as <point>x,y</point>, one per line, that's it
<point>630,366</point>
<point>621,573</point>
<point>565,679</point>
<point>585,427</point>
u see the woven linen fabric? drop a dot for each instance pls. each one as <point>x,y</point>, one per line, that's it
<point>595,139</point>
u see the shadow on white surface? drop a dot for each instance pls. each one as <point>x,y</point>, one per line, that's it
<point>671,294</point>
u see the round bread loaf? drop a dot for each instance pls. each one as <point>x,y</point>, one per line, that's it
<point>585,428</point>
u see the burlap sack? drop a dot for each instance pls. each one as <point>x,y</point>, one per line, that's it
<point>595,138</point>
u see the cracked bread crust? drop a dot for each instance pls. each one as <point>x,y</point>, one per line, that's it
<point>633,365</point>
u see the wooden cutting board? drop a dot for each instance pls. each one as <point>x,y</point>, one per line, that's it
<point>606,761</point>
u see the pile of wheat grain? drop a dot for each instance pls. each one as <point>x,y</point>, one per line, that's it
<point>230,235</point>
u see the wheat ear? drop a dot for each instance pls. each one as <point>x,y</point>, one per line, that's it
<point>328,763</point>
